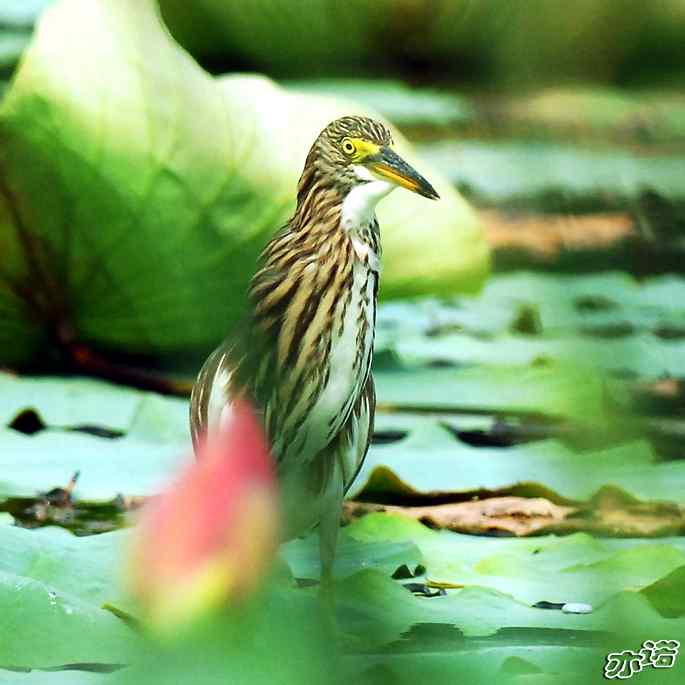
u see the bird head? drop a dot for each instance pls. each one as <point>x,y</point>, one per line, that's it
<point>357,151</point>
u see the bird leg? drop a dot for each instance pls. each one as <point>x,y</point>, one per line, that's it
<point>328,537</point>
<point>329,526</point>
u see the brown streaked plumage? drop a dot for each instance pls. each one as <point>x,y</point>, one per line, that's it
<point>304,354</point>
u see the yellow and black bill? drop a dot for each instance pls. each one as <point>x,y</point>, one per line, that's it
<point>390,166</point>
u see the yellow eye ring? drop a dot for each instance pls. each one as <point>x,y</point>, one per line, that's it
<point>348,147</point>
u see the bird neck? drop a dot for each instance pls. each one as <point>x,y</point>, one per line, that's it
<point>318,193</point>
<point>358,209</point>
<point>311,266</point>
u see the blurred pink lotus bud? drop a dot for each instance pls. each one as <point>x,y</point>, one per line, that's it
<point>210,538</point>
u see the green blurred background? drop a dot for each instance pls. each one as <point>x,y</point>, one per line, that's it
<point>530,357</point>
<point>487,45</point>
<point>562,124</point>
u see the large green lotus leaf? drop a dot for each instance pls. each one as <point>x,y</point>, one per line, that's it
<point>81,402</point>
<point>79,573</point>
<point>474,610</point>
<point>154,443</point>
<point>530,656</point>
<point>84,567</point>
<point>552,389</point>
<point>284,644</point>
<point>608,291</point>
<point>376,610</point>
<point>584,326</point>
<point>429,316</point>
<point>129,465</point>
<point>302,556</point>
<point>71,630</point>
<point>89,567</point>
<point>65,402</point>
<point>667,594</point>
<point>591,304</point>
<point>393,426</point>
<point>574,568</point>
<point>549,641</point>
<point>529,659</point>
<point>369,598</point>
<point>137,190</point>
<point>71,577</point>
<point>52,586</point>
<point>149,438</point>
<point>430,461</point>
<point>68,676</point>
<point>644,355</point>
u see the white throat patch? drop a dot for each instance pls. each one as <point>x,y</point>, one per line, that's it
<point>359,205</point>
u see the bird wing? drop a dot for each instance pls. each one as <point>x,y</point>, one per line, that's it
<point>210,393</point>
<point>355,438</point>
<point>211,396</point>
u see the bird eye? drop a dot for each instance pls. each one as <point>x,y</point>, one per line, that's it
<point>348,147</point>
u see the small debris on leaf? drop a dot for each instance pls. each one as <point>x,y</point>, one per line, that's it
<point>424,590</point>
<point>566,607</point>
<point>61,497</point>
<point>548,605</point>
<point>577,608</point>
<point>527,321</point>
<point>27,422</point>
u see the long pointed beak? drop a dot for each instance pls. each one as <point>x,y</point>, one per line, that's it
<point>390,166</point>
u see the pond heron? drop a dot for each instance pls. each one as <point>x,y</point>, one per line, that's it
<point>303,354</point>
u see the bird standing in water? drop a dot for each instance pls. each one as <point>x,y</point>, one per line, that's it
<point>303,355</point>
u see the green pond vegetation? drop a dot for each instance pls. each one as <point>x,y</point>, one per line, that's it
<point>528,449</point>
